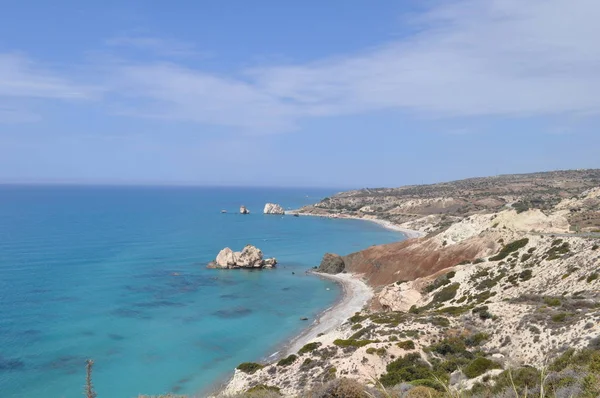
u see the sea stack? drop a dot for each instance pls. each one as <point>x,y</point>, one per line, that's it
<point>273,208</point>
<point>249,257</point>
<point>244,210</point>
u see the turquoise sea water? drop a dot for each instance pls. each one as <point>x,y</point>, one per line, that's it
<point>118,275</point>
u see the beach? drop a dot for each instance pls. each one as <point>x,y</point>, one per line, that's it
<point>409,233</point>
<point>355,295</point>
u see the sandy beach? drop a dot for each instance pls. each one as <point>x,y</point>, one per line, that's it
<point>355,295</point>
<point>409,233</point>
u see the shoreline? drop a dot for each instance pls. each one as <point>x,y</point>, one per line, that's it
<point>354,296</point>
<point>408,233</point>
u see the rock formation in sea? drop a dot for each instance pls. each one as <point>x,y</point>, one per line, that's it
<point>249,257</point>
<point>244,210</point>
<point>332,264</point>
<point>273,208</point>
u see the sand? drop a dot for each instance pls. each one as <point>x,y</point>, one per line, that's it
<point>355,296</point>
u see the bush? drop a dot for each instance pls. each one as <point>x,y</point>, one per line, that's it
<point>450,346</point>
<point>406,345</point>
<point>407,368</point>
<point>446,294</point>
<point>440,281</point>
<point>592,277</point>
<point>352,343</point>
<point>263,388</point>
<point>510,248</point>
<point>309,347</point>
<point>287,361</point>
<point>476,339</point>
<point>422,392</point>
<point>561,317</point>
<point>552,301</point>
<point>479,366</point>
<point>525,275</point>
<point>340,388</point>
<point>249,367</point>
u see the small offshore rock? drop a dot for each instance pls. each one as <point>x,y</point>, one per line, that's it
<point>225,258</point>
<point>332,264</point>
<point>244,210</point>
<point>273,208</point>
<point>304,318</point>
<point>249,257</point>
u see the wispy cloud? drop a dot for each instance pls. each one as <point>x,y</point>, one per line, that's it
<point>22,80</point>
<point>157,46</point>
<point>468,58</point>
<point>21,77</point>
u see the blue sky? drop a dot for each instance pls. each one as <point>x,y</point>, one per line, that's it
<point>311,93</point>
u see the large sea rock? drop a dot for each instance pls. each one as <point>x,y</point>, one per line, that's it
<point>332,264</point>
<point>249,257</point>
<point>273,208</point>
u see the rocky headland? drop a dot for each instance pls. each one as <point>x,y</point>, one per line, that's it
<point>273,208</point>
<point>249,257</point>
<point>498,297</point>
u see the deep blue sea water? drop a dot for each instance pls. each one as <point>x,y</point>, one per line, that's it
<point>118,274</point>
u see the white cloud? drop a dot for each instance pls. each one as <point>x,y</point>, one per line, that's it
<point>468,58</point>
<point>21,77</point>
<point>172,92</point>
<point>507,58</point>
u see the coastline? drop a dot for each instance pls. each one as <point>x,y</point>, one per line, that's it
<point>409,233</point>
<point>355,295</point>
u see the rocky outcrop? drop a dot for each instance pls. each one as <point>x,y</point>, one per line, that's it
<point>332,264</point>
<point>244,210</point>
<point>273,208</point>
<point>249,257</point>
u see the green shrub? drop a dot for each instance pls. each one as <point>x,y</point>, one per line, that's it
<point>263,388</point>
<point>592,277</point>
<point>287,360</point>
<point>482,312</point>
<point>407,368</point>
<point>561,317</point>
<point>352,343</point>
<point>446,294</point>
<point>454,310</point>
<point>450,346</point>
<point>522,379</point>
<point>309,348</point>
<point>440,281</point>
<point>557,251</point>
<point>476,339</point>
<point>595,247</point>
<point>552,301</point>
<point>357,318</point>
<point>406,345</point>
<point>510,248</point>
<point>525,257</point>
<point>525,275</point>
<point>249,367</point>
<point>479,366</point>
<point>356,326</point>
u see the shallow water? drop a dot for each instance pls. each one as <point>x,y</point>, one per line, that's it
<point>118,275</point>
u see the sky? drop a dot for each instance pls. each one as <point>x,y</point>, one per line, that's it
<point>296,93</point>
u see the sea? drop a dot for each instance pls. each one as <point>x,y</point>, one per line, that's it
<point>118,275</point>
